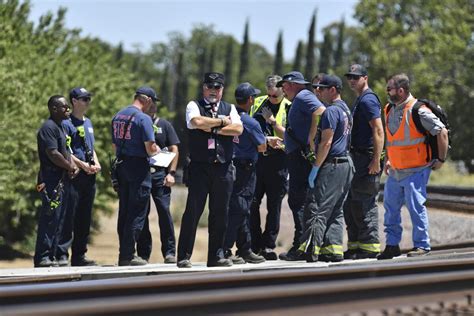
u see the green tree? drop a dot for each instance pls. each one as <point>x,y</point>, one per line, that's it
<point>244,54</point>
<point>431,42</point>
<point>298,57</point>
<point>278,68</point>
<point>229,63</point>
<point>310,49</point>
<point>326,53</point>
<point>339,52</point>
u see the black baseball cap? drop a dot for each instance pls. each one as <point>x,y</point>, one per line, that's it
<point>149,92</point>
<point>329,81</point>
<point>78,93</point>
<point>215,78</point>
<point>245,90</point>
<point>357,70</point>
<point>292,76</point>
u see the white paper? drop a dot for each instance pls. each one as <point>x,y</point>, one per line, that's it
<point>162,159</point>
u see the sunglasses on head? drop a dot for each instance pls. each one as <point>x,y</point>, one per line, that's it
<point>213,86</point>
<point>353,77</point>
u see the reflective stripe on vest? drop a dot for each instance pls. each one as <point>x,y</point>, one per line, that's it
<point>281,114</point>
<point>406,148</point>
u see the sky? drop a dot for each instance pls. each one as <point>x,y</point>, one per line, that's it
<point>143,22</point>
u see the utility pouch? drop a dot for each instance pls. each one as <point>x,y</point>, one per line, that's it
<point>369,184</point>
<point>308,154</point>
<point>114,174</point>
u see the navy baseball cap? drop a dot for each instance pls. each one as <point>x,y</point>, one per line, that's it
<point>293,76</point>
<point>78,93</point>
<point>357,70</point>
<point>245,90</point>
<point>329,81</point>
<point>149,92</point>
<point>215,78</point>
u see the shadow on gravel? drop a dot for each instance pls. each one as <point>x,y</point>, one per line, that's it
<point>8,253</point>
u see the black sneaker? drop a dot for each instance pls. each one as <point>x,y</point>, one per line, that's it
<point>268,254</point>
<point>351,254</point>
<point>254,258</point>
<point>418,252</point>
<point>292,255</point>
<point>46,263</point>
<point>63,261</point>
<point>83,262</point>
<point>311,257</point>
<point>331,258</point>
<point>220,263</point>
<point>135,261</point>
<point>389,252</point>
<point>170,259</point>
<point>184,263</point>
<point>362,254</point>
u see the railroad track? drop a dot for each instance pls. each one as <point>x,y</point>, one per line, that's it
<point>330,290</point>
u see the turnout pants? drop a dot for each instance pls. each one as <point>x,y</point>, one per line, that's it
<point>206,179</point>
<point>323,214</point>
<point>360,209</point>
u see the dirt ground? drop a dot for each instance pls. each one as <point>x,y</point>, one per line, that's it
<point>445,227</point>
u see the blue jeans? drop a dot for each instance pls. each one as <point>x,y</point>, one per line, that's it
<point>410,191</point>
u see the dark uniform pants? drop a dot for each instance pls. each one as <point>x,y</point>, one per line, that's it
<point>299,169</point>
<point>134,197</point>
<point>77,220</point>
<point>360,209</point>
<point>50,221</point>
<point>272,180</point>
<point>239,207</point>
<point>323,215</point>
<point>161,195</point>
<point>215,180</point>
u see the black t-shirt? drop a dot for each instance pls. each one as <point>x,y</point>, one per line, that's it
<point>51,136</point>
<point>165,135</point>
<point>266,128</point>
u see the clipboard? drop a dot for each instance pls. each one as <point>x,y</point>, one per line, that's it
<point>162,159</point>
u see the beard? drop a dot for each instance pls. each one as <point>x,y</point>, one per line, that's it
<point>394,99</point>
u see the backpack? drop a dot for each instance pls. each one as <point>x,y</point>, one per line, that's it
<point>443,117</point>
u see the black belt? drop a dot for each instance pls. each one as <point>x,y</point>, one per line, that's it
<point>362,151</point>
<point>246,162</point>
<point>336,160</point>
<point>154,169</point>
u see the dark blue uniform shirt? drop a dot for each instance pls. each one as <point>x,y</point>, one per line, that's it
<point>77,145</point>
<point>245,145</point>
<point>366,108</point>
<point>303,106</point>
<point>51,136</point>
<point>139,131</point>
<point>336,119</point>
<point>165,135</point>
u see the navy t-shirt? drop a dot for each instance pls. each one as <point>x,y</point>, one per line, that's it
<point>165,134</point>
<point>139,131</point>
<point>299,119</point>
<point>51,136</point>
<point>77,144</point>
<point>366,108</point>
<point>336,119</point>
<point>245,145</point>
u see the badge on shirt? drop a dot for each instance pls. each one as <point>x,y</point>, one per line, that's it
<point>211,143</point>
<point>159,130</point>
<point>91,130</point>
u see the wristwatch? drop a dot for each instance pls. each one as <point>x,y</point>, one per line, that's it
<point>172,172</point>
<point>442,160</point>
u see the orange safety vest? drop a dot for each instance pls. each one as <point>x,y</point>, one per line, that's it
<point>407,147</point>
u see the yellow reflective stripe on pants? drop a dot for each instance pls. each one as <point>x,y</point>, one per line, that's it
<point>353,245</point>
<point>370,247</point>
<point>333,250</point>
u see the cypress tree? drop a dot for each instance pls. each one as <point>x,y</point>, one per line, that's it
<point>340,44</point>
<point>211,58</point>
<point>244,54</point>
<point>164,91</point>
<point>326,52</point>
<point>229,63</point>
<point>310,57</point>
<point>278,67</point>
<point>298,57</point>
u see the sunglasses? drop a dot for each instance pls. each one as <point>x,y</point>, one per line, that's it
<point>353,77</point>
<point>274,96</point>
<point>390,89</point>
<point>85,99</point>
<point>211,86</point>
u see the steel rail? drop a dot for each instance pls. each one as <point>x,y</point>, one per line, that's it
<point>261,298</point>
<point>162,284</point>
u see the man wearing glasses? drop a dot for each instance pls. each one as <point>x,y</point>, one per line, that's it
<point>272,170</point>
<point>77,221</point>
<point>212,125</point>
<point>299,135</point>
<point>367,138</point>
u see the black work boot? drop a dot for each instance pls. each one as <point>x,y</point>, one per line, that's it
<point>389,252</point>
